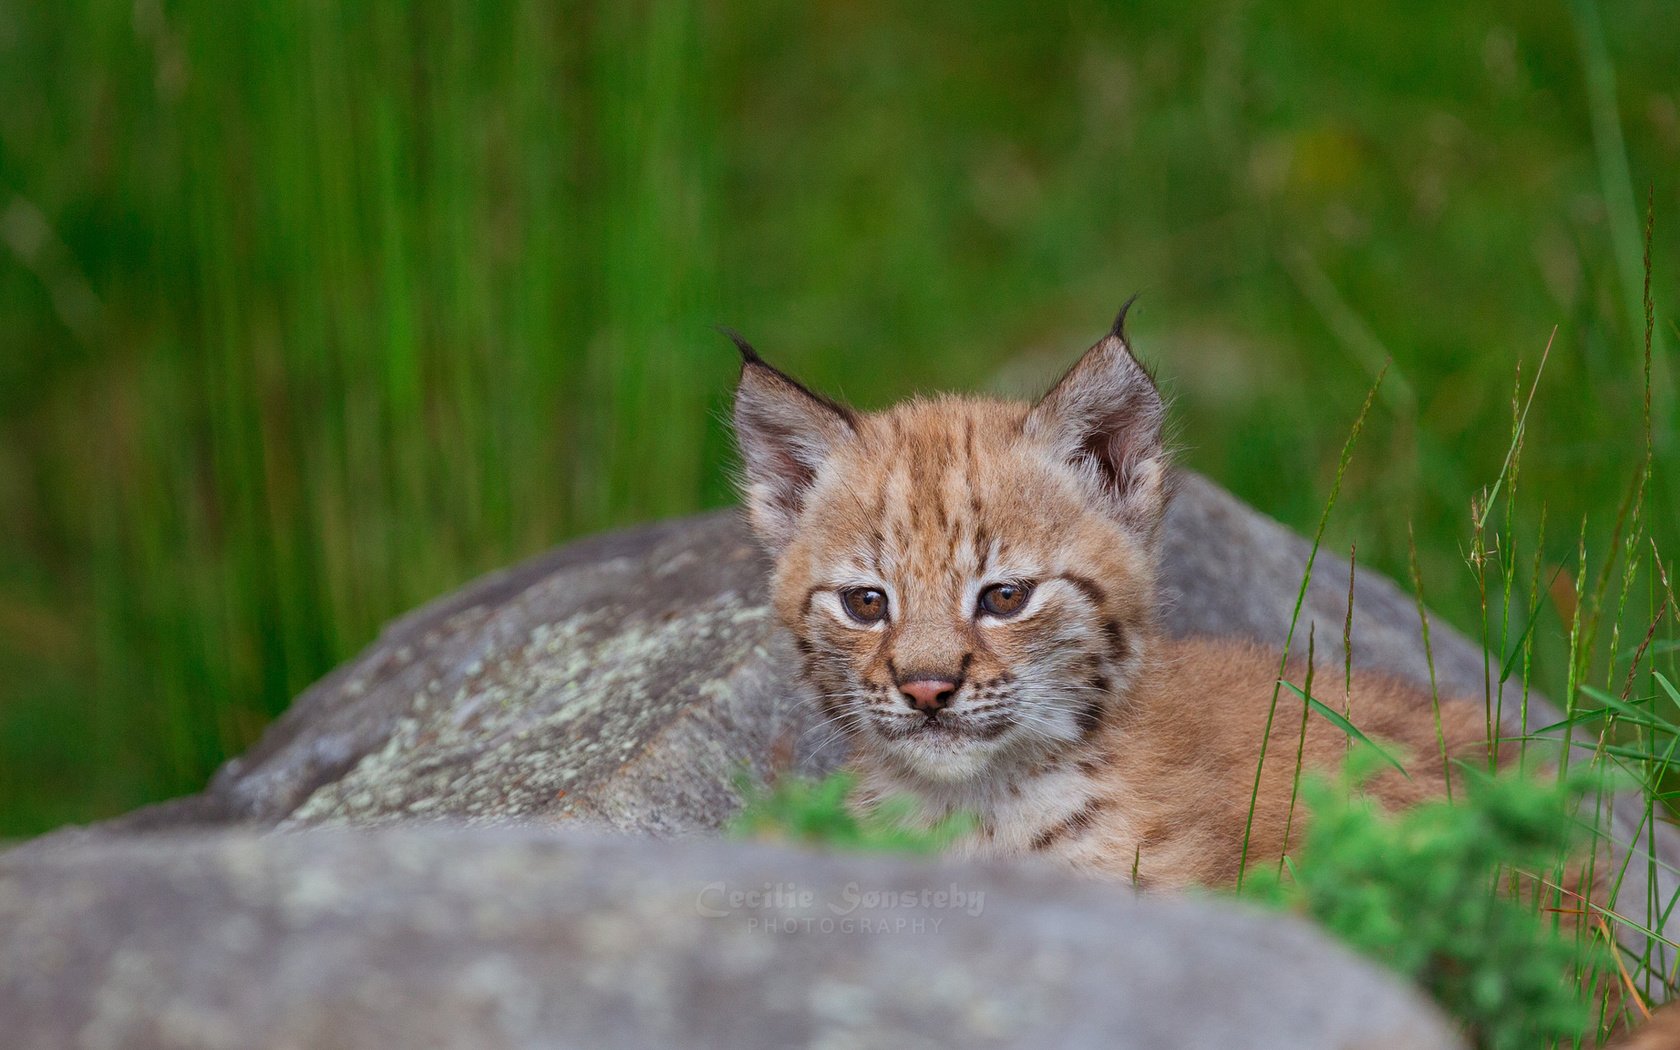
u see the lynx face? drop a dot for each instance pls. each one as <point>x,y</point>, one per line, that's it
<point>970,582</point>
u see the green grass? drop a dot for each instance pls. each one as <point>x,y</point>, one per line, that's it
<point>311,312</point>
<point>814,813</point>
<point>1453,895</point>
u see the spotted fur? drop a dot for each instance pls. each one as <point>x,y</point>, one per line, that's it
<point>1077,730</point>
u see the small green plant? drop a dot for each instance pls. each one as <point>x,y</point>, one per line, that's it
<point>815,813</point>
<point>1459,896</point>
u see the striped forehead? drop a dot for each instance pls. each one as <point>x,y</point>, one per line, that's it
<point>931,492</point>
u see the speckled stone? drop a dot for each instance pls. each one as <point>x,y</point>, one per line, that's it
<point>520,939</point>
<point>626,680</point>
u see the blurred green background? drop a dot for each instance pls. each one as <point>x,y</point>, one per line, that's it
<point>310,311</point>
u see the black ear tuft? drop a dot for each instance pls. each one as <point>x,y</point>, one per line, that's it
<point>1118,329</point>
<point>749,356</point>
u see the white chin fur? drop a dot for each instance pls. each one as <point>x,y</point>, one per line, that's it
<point>948,762</point>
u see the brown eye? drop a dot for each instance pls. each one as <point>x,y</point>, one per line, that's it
<point>864,604</point>
<point>1004,599</point>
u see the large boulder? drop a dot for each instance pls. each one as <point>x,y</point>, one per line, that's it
<point>520,939</point>
<point>627,679</point>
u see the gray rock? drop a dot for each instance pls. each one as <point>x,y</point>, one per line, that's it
<point>626,679</point>
<point>525,938</point>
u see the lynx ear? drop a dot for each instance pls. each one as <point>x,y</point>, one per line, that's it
<point>786,433</point>
<point>1105,418</point>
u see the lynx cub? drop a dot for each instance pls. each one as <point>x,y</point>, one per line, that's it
<point>972,587</point>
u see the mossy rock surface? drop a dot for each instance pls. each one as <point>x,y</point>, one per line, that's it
<point>625,679</point>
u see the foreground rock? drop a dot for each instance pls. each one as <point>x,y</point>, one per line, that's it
<point>523,939</point>
<point>626,679</point>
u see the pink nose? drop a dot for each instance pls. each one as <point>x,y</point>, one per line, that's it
<point>928,694</point>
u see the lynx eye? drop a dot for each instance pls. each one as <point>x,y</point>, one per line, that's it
<point>1004,599</point>
<point>864,604</point>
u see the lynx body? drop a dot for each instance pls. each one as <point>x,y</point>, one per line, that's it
<point>971,584</point>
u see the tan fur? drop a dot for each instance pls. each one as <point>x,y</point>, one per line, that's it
<point>1079,731</point>
<point>1661,1032</point>
<point>1172,777</point>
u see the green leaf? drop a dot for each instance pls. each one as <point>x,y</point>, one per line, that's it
<point>1336,719</point>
